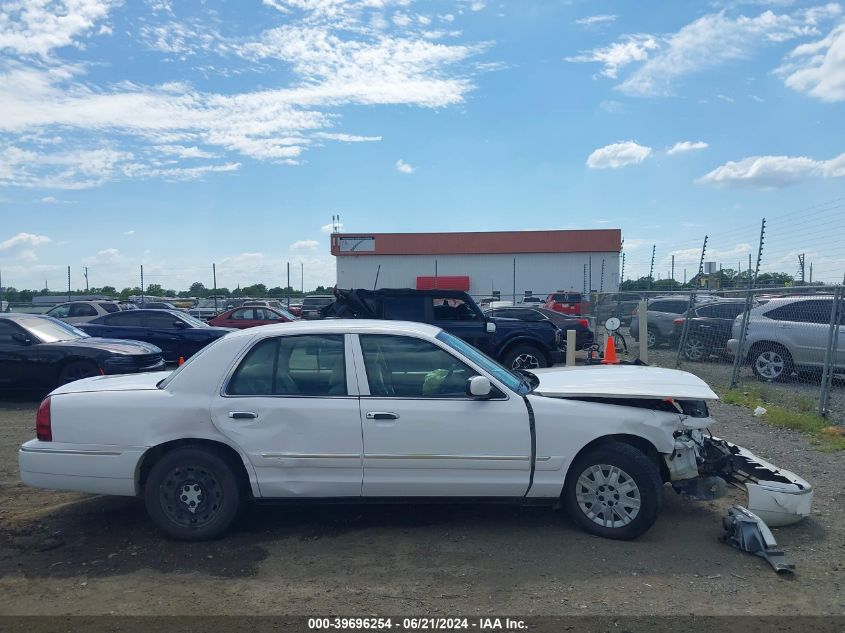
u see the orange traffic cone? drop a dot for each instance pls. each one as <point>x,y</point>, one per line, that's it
<point>182,360</point>
<point>609,352</point>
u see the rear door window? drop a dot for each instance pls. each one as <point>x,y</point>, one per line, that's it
<point>82,310</point>
<point>128,318</point>
<point>672,306</point>
<point>404,308</point>
<point>312,365</point>
<point>817,311</point>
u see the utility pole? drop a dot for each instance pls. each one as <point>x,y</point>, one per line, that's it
<point>86,279</point>
<point>287,290</point>
<point>651,268</point>
<point>214,282</point>
<point>673,268</point>
<point>68,283</point>
<point>142,285</point>
<point>801,266</point>
<point>302,278</point>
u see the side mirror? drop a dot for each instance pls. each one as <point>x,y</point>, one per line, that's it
<point>22,338</point>
<point>479,387</point>
<point>490,327</point>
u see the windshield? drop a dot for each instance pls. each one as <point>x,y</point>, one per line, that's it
<point>285,314</point>
<point>509,379</point>
<point>51,330</point>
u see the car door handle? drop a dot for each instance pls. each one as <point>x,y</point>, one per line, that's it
<point>243,415</point>
<point>382,415</point>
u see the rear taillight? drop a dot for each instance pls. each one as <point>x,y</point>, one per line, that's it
<point>634,312</point>
<point>43,428</point>
<point>678,322</point>
<point>584,322</point>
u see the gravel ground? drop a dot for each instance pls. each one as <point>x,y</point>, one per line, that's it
<point>65,553</point>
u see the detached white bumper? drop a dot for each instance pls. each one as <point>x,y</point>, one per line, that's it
<point>778,496</point>
<point>107,470</point>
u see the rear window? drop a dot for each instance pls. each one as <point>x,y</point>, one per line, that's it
<point>110,307</point>
<point>567,297</point>
<point>317,301</point>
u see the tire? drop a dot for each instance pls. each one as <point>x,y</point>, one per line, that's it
<point>524,357</point>
<point>205,480</point>
<point>77,370</point>
<point>695,349</point>
<point>771,362</point>
<point>608,465</point>
<point>652,339</point>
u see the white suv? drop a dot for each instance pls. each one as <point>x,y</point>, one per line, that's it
<point>789,334</point>
<point>82,311</point>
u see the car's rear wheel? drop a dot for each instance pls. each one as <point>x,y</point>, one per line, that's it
<point>525,357</point>
<point>192,494</point>
<point>77,370</point>
<point>771,362</point>
<point>695,349</point>
<point>614,491</point>
<point>652,338</point>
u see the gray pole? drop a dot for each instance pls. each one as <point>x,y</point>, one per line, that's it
<point>86,279</point>
<point>673,268</point>
<point>142,285</point>
<point>214,281</point>
<point>739,356</point>
<point>514,281</point>
<point>827,372</point>
<point>302,278</point>
<point>287,290</point>
<point>68,283</point>
<point>690,305</point>
<point>435,274</point>
<point>590,286</point>
<point>651,268</point>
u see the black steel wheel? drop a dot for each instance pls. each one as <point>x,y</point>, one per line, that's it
<point>77,370</point>
<point>192,494</point>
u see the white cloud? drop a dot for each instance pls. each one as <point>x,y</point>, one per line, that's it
<point>37,27</point>
<point>618,155</point>
<point>105,256</point>
<point>609,105</point>
<point>29,239</point>
<point>346,138</point>
<point>707,42</point>
<point>477,5</point>
<point>632,48</point>
<point>329,228</point>
<point>184,152</point>
<point>129,232</point>
<point>768,172</point>
<point>304,245</point>
<point>53,200</point>
<point>404,167</point>
<point>725,98</point>
<point>818,68</point>
<point>596,19</point>
<point>686,146</point>
<point>328,51</point>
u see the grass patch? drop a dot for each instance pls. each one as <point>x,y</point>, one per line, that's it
<point>789,411</point>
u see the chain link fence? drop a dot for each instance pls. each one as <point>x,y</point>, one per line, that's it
<point>788,343</point>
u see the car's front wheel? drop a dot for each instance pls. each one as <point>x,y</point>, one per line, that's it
<point>614,491</point>
<point>695,349</point>
<point>77,370</point>
<point>192,494</point>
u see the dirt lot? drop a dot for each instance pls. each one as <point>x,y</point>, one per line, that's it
<point>64,553</point>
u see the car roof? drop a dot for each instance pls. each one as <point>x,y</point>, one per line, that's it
<point>343,326</point>
<point>152,311</point>
<point>23,316</point>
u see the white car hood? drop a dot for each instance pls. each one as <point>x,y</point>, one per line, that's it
<point>621,381</point>
<point>126,382</point>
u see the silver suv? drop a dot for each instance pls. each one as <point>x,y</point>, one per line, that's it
<point>662,312</point>
<point>787,335</point>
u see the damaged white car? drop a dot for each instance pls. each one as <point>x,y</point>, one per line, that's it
<point>380,410</point>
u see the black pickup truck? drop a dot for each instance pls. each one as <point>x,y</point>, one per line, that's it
<point>515,344</point>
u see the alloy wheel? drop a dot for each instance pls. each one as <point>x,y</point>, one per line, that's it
<point>608,496</point>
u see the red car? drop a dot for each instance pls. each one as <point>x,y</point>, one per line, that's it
<point>566,302</point>
<point>243,318</point>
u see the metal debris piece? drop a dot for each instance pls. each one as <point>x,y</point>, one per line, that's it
<point>747,532</point>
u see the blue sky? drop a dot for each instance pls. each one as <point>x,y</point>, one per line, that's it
<point>175,134</point>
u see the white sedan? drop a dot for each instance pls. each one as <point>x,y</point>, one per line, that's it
<point>381,410</point>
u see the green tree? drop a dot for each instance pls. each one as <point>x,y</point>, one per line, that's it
<point>108,290</point>
<point>198,289</point>
<point>155,290</point>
